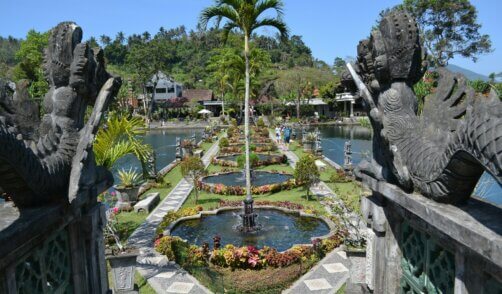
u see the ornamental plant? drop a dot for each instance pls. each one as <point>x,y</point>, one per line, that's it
<point>223,143</point>
<point>260,123</point>
<point>192,169</point>
<point>129,178</point>
<point>339,176</point>
<point>171,216</point>
<point>253,160</point>
<point>306,173</point>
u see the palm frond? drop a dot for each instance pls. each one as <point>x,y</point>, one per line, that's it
<point>219,12</point>
<point>227,28</point>
<point>263,5</point>
<point>235,4</point>
<point>273,22</point>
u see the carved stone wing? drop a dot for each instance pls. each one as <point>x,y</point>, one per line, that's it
<point>85,175</point>
<point>447,106</point>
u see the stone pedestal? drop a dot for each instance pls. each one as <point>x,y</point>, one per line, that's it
<point>417,243</point>
<point>54,244</point>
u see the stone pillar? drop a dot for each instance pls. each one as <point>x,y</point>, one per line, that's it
<point>94,222</point>
<point>351,108</point>
<point>382,254</point>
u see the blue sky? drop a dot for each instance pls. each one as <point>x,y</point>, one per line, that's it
<point>329,27</point>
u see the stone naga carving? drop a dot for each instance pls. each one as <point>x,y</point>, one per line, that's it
<point>53,161</point>
<point>441,153</point>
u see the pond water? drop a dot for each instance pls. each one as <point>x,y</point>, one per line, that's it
<point>258,178</point>
<point>279,230</point>
<point>334,138</point>
<point>164,144</point>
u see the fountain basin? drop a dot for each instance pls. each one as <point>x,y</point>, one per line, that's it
<point>263,159</point>
<point>234,183</point>
<point>280,228</point>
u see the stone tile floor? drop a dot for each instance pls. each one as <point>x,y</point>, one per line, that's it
<point>326,277</point>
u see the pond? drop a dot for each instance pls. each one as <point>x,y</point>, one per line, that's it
<point>279,230</point>
<point>334,138</point>
<point>164,144</point>
<point>258,178</point>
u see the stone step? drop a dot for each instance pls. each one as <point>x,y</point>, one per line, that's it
<point>147,204</point>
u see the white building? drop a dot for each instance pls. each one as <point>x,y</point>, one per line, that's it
<point>166,88</point>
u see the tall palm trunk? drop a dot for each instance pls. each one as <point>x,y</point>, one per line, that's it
<point>246,117</point>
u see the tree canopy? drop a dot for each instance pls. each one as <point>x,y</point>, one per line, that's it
<point>449,28</point>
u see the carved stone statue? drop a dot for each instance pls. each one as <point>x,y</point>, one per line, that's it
<point>51,160</point>
<point>441,153</point>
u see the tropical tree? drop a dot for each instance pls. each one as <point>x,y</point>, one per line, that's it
<point>306,173</point>
<point>247,16</point>
<point>297,83</point>
<point>192,169</point>
<point>30,57</point>
<point>120,137</point>
<point>147,60</point>
<point>449,28</point>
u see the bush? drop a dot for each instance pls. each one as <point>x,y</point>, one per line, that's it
<point>174,215</point>
<point>306,173</point>
<point>233,122</point>
<point>480,86</point>
<point>260,123</point>
<point>253,160</point>
<point>223,143</point>
<point>339,177</point>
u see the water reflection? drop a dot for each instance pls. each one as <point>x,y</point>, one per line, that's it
<point>163,142</point>
<point>334,138</point>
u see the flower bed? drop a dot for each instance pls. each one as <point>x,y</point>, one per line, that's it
<point>174,215</point>
<point>247,257</point>
<point>273,159</point>
<point>238,190</point>
<point>237,148</point>
<point>284,204</point>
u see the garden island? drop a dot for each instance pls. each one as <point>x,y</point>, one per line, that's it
<point>230,160</point>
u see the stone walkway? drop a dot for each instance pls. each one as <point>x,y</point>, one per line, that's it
<point>332,272</point>
<point>327,276</point>
<point>162,275</point>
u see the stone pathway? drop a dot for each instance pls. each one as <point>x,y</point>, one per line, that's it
<point>162,275</point>
<point>326,277</point>
<point>333,271</point>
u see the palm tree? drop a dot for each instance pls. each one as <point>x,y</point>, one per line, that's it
<point>119,138</point>
<point>245,16</point>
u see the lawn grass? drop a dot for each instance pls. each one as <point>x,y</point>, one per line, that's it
<point>128,222</point>
<point>350,192</point>
<point>265,281</point>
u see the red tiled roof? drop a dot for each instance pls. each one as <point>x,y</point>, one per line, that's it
<point>198,94</point>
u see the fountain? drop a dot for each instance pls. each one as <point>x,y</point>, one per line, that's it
<point>273,227</point>
<point>249,224</point>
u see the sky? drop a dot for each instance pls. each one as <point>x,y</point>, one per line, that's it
<point>330,28</point>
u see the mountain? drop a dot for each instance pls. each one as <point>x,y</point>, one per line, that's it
<point>467,73</point>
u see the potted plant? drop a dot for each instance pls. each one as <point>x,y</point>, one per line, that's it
<point>122,260</point>
<point>129,184</point>
<point>309,141</point>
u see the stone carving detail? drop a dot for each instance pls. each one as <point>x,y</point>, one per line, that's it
<point>441,153</point>
<point>51,160</point>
